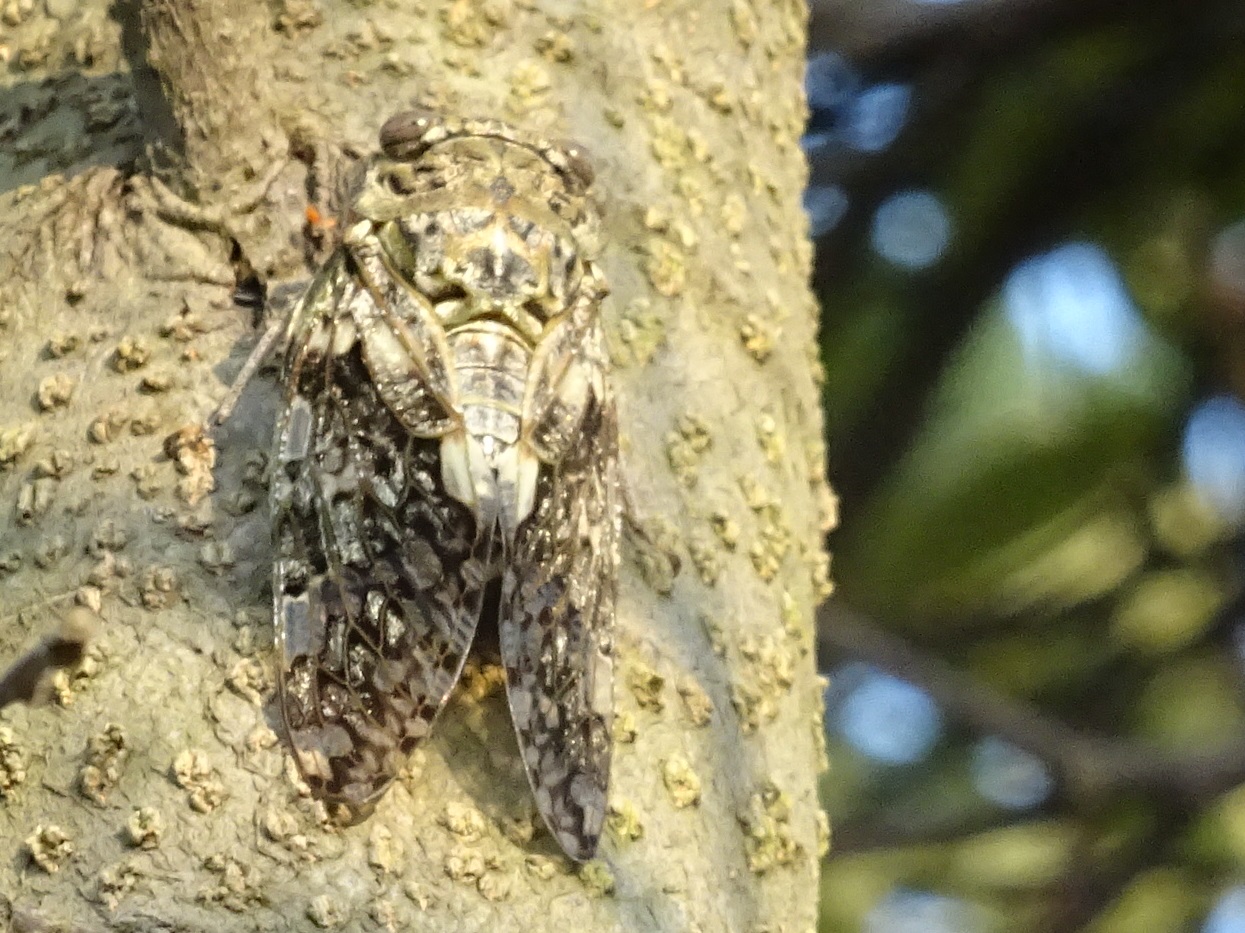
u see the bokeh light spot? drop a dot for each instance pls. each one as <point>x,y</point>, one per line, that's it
<point>911,229</point>
<point>825,206</point>
<point>888,719</point>
<point>830,82</point>
<point>919,912</point>
<point>1228,914</point>
<point>1070,306</point>
<point>1009,776</point>
<point>875,116</point>
<point>1213,452</point>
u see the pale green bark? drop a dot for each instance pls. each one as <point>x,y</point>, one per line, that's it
<point>117,329</point>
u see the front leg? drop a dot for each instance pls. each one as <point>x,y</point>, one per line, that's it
<point>279,311</point>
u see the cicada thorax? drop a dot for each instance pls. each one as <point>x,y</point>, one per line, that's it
<point>503,285</point>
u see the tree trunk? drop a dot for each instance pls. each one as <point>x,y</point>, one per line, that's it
<point>155,791</point>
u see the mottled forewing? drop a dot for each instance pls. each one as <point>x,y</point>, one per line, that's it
<point>378,576</point>
<point>556,628</point>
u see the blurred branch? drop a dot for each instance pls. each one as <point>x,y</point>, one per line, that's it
<point>871,834</point>
<point>1092,882</point>
<point>893,29</point>
<point>1091,767</point>
<point>28,679</point>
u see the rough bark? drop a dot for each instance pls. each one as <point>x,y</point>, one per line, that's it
<point>170,154</point>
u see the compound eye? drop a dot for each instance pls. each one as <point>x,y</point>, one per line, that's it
<point>578,161</point>
<point>403,135</point>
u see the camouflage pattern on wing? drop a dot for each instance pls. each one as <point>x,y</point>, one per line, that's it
<point>556,626</point>
<point>379,577</point>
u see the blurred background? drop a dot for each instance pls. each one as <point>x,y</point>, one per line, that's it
<point>1030,228</point>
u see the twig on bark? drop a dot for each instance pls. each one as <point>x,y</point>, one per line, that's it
<point>28,679</point>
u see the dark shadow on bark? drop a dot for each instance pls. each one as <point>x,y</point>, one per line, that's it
<point>66,124</point>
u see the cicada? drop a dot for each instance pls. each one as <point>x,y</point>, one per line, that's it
<point>447,448</point>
